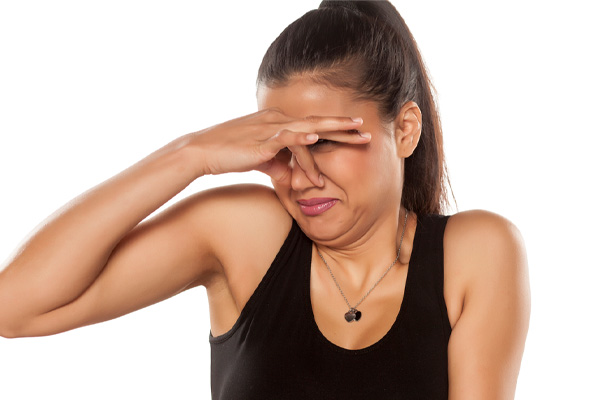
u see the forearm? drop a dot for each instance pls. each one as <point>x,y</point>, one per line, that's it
<point>64,254</point>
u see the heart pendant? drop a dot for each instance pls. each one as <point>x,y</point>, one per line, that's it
<point>352,315</point>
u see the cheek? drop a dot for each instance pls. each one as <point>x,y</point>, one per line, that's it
<point>369,169</point>
<point>282,191</point>
<point>349,163</point>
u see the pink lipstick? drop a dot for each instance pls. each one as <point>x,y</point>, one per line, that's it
<point>317,205</point>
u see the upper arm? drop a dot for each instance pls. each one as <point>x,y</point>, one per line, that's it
<point>162,256</point>
<point>487,341</point>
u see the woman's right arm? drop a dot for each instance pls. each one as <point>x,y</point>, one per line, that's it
<point>92,260</point>
<point>48,285</point>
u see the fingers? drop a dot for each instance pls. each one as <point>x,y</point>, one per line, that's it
<point>337,129</point>
<point>320,124</point>
<point>290,138</point>
<point>279,167</point>
<point>296,135</point>
<point>278,170</point>
<point>306,162</point>
<point>346,137</point>
<point>287,138</point>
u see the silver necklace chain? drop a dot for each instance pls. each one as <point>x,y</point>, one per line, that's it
<point>353,312</point>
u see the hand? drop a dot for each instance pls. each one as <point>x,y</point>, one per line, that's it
<point>254,141</point>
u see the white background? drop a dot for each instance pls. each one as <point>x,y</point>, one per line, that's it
<point>89,88</point>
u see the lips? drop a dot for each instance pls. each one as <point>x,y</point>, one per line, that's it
<point>317,205</point>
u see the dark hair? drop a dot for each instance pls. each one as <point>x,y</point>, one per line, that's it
<point>366,46</point>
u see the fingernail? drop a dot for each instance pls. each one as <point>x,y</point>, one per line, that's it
<point>321,180</point>
<point>358,119</point>
<point>365,134</point>
<point>312,137</point>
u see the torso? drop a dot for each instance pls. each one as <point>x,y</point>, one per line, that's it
<point>245,262</point>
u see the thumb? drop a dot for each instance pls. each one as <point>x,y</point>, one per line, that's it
<point>278,170</point>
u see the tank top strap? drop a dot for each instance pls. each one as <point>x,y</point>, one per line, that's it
<point>276,283</point>
<point>429,275</point>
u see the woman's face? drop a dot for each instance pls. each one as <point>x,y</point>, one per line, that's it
<point>364,180</point>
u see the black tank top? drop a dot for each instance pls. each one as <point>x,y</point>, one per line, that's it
<point>276,351</point>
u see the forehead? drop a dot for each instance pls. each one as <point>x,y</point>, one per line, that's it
<point>302,97</point>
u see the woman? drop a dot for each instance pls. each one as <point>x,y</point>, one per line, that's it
<point>346,281</point>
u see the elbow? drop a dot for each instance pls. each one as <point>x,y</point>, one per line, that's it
<point>8,333</point>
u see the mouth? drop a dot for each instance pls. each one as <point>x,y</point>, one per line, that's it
<point>316,206</point>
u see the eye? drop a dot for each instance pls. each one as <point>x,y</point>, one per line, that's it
<point>328,144</point>
<point>321,143</point>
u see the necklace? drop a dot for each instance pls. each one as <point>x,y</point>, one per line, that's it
<point>353,314</point>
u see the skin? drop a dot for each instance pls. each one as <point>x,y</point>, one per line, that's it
<point>124,265</point>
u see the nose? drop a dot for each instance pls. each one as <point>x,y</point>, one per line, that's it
<point>299,179</point>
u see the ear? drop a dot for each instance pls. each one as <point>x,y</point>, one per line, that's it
<point>407,128</point>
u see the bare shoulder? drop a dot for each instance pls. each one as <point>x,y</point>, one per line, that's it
<point>481,249</point>
<point>481,221</point>
<point>242,197</point>
<point>486,263</point>
<point>480,234</point>
<point>482,246</point>
<point>237,211</point>
<point>244,224</point>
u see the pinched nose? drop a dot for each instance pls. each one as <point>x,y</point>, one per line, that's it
<point>299,179</point>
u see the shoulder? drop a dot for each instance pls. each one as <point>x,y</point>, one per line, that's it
<point>481,234</point>
<point>239,208</point>
<point>245,221</point>
<point>484,254</point>
<point>239,192</point>
<point>235,201</point>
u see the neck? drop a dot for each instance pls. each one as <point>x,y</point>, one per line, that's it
<point>362,262</point>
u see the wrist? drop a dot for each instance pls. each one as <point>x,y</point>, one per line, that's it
<point>191,155</point>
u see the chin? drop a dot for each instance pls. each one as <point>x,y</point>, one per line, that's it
<point>319,228</point>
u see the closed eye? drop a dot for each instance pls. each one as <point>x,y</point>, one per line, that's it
<point>321,143</point>
<point>324,143</point>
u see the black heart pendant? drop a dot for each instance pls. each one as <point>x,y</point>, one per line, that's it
<point>352,315</point>
<point>358,315</point>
